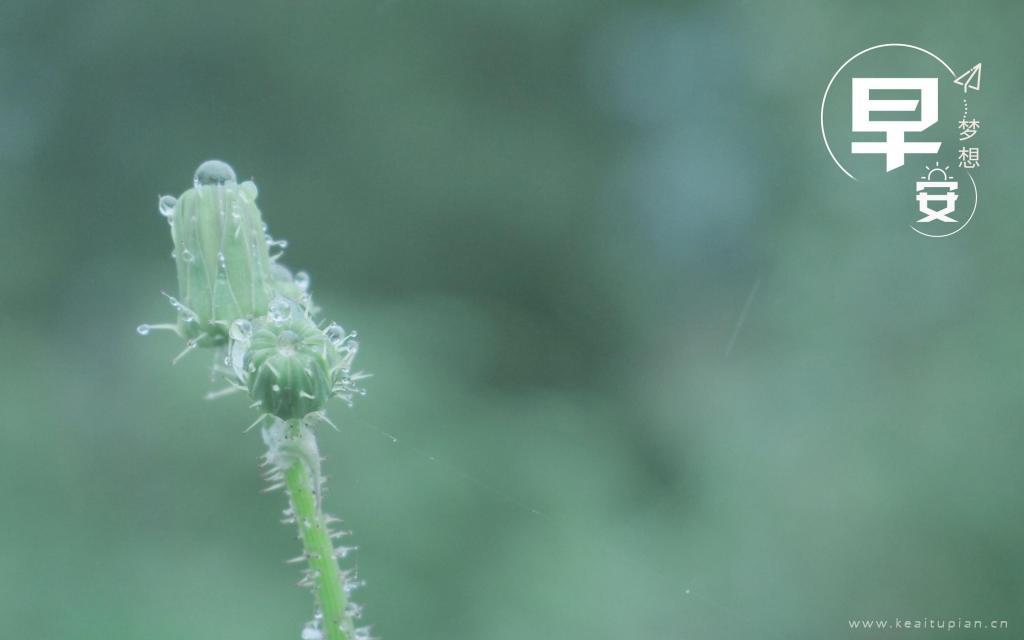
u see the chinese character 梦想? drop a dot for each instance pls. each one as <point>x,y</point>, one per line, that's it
<point>968,128</point>
<point>969,157</point>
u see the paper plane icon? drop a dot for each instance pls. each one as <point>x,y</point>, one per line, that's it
<point>970,79</point>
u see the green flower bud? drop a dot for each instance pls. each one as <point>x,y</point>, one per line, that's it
<point>290,367</point>
<point>220,247</point>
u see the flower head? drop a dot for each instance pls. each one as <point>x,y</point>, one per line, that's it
<point>289,365</point>
<point>220,247</point>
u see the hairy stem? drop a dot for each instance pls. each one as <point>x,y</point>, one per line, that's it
<point>323,574</point>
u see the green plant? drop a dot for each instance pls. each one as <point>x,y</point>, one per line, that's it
<point>236,298</point>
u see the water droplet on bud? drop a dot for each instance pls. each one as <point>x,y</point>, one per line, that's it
<point>187,256</point>
<point>302,280</point>
<point>214,172</point>
<point>166,205</point>
<point>240,330</point>
<point>286,343</point>
<point>249,189</point>
<point>143,329</point>
<point>280,310</point>
<point>336,334</point>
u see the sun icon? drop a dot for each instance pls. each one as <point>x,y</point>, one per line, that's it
<point>943,170</point>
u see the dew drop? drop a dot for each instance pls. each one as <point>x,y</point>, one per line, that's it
<point>302,280</point>
<point>249,189</point>
<point>276,388</point>
<point>166,205</point>
<point>336,334</point>
<point>143,329</point>
<point>348,354</point>
<point>187,256</point>
<point>280,272</point>
<point>280,310</point>
<point>240,330</point>
<point>214,172</point>
<point>286,342</point>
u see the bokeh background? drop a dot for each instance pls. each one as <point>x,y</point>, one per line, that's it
<point>655,368</point>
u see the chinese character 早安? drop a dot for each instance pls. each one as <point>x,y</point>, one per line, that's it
<point>894,147</point>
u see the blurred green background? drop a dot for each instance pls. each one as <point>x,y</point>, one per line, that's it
<point>545,219</point>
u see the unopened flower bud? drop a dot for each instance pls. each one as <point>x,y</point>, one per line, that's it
<point>289,365</point>
<point>224,268</point>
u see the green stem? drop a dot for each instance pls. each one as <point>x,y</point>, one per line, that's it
<point>315,534</point>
